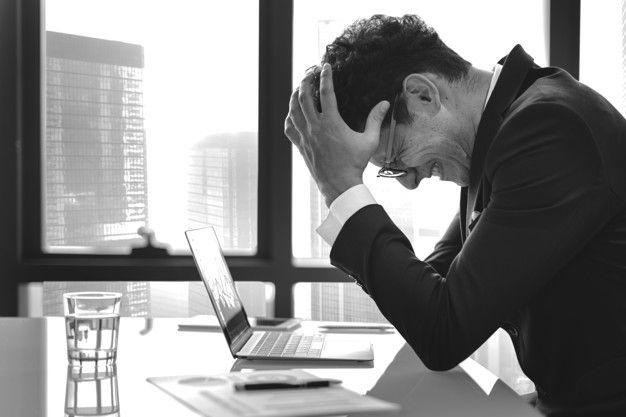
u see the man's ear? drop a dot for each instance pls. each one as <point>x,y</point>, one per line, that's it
<point>422,94</point>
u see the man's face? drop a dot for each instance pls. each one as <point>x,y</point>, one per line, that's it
<point>427,146</point>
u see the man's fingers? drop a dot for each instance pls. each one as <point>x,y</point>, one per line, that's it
<point>294,136</point>
<point>305,98</point>
<point>375,118</point>
<point>295,112</point>
<point>327,91</point>
<point>291,132</point>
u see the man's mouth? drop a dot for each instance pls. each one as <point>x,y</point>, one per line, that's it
<point>436,170</point>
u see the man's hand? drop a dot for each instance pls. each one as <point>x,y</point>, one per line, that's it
<point>335,154</point>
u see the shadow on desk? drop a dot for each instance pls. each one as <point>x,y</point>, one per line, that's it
<point>422,392</point>
<point>268,364</point>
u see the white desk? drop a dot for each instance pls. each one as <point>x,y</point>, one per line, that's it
<point>33,371</point>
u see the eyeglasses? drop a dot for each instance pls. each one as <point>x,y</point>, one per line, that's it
<point>388,170</point>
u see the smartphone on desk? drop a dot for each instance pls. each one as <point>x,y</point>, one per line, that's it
<point>207,323</point>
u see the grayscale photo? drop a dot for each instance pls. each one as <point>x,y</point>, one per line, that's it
<point>293,208</point>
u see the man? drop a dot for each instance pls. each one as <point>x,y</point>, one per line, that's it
<point>539,244</point>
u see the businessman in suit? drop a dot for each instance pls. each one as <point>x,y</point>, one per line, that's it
<point>539,244</point>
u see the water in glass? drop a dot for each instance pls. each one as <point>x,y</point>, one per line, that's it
<point>92,338</point>
<point>92,321</point>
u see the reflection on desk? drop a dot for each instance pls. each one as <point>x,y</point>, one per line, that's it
<point>92,391</point>
<point>34,377</point>
<point>408,382</point>
<point>269,364</point>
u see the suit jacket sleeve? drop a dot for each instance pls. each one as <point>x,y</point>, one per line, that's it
<point>447,248</point>
<point>549,197</point>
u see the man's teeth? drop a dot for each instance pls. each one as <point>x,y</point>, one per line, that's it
<point>435,170</point>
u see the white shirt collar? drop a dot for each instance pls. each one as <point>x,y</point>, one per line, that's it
<point>494,78</point>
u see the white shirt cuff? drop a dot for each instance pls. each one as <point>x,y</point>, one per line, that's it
<point>342,208</point>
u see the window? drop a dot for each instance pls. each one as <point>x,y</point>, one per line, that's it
<point>150,120</point>
<point>603,49</point>
<point>211,79</point>
<point>473,32</point>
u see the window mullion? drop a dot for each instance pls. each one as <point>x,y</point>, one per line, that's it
<point>565,35</point>
<point>274,222</point>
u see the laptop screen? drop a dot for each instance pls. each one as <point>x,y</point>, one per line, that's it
<point>220,285</point>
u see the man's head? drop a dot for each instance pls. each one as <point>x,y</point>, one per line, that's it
<point>378,58</point>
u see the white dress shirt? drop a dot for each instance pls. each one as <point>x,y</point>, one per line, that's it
<point>359,196</point>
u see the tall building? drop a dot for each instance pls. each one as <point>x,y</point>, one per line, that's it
<point>138,300</point>
<point>343,302</point>
<point>95,146</point>
<point>223,188</point>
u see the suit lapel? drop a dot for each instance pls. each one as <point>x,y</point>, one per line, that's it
<point>515,67</point>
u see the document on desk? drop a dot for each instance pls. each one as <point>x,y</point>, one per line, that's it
<point>216,396</point>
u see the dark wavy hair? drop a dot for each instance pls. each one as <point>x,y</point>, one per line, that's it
<point>371,58</point>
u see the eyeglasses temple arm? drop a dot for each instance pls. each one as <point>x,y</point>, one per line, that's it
<point>391,132</point>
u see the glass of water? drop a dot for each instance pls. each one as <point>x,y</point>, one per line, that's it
<point>92,320</point>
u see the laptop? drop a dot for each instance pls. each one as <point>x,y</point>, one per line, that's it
<point>242,340</point>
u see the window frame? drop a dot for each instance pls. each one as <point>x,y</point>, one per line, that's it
<point>24,260</point>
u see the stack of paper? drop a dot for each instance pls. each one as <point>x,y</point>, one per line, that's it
<point>215,396</point>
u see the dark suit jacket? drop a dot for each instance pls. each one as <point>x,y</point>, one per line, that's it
<point>538,247</point>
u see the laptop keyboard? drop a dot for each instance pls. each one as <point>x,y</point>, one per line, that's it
<point>287,345</point>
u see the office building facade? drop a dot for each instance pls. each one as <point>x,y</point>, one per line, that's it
<point>222,188</point>
<point>343,302</point>
<point>94,162</point>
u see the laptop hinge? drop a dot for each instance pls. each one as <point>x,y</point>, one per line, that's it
<point>241,340</point>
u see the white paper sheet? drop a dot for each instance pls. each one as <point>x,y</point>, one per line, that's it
<point>215,396</point>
